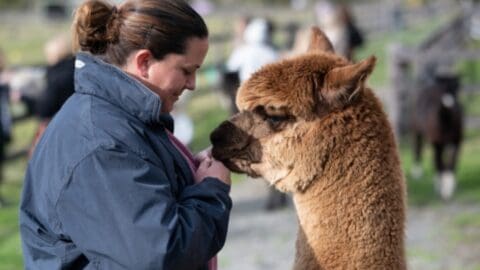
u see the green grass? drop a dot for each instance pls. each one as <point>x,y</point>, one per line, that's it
<point>467,220</point>
<point>13,173</point>
<point>471,71</point>
<point>471,103</point>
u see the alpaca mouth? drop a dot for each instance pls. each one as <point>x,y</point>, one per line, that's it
<point>237,165</point>
<point>240,166</point>
<point>231,166</point>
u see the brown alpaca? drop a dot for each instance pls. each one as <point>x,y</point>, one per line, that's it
<point>309,126</point>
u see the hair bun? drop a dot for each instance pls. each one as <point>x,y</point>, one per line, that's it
<point>95,25</point>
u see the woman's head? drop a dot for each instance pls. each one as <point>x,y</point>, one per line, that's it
<point>160,42</point>
<point>160,26</point>
<point>57,48</point>
<point>169,77</point>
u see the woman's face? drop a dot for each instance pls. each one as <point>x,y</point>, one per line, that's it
<point>170,76</point>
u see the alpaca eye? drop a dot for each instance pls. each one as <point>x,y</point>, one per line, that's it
<point>276,119</point>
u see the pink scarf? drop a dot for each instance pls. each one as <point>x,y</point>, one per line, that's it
<point>193,164</point>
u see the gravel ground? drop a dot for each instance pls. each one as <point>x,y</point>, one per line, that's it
<point>260,240</point>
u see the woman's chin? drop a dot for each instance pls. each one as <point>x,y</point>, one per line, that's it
<point>167,108</point>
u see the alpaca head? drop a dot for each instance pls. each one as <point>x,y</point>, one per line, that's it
<point>284,109</point>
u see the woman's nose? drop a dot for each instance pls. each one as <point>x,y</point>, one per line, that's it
<point>190,84</point>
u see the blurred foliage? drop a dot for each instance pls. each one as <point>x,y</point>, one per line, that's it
<point>24,46</point>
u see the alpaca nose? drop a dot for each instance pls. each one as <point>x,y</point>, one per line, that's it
<point>222,135</point>
<point>228,140</point>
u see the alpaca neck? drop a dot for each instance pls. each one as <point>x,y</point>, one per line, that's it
<point>338,229</point>
<point>319,237</point>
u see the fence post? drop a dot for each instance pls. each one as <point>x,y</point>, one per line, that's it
<point>399,72</point>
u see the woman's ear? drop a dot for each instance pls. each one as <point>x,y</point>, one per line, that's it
<point>141,63</point>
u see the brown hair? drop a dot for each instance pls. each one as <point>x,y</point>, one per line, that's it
<point>161,26</point>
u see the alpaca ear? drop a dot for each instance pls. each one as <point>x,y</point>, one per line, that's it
<point>319,41</point>
<point>343,83</point>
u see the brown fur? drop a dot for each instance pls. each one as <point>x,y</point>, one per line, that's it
<point>309,126</point>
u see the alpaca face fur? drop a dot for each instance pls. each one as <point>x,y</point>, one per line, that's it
<point>309,126</point>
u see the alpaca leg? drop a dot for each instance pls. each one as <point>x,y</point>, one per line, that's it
<point>438,166</point>
<point>452,158</point>
<point>416,171</point>
<point>449,179</point>
<point>438,150</point>
<point>447,184</point>
<point>445,179</point>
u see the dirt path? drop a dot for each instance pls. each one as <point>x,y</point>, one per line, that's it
<point>260,240</point>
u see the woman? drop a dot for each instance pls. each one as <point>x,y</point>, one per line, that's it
<point>58,83</point>
<point>108,186</point>
<point>256,51</point>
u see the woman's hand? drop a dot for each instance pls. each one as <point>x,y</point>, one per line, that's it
<point>205,153</point>
<point>210,167</point>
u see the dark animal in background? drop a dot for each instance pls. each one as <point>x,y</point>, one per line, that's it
<point>438,120</point>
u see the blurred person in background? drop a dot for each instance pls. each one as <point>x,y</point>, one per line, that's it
<point>239,26</point>
<point>329,19</point>
<point>5,120</point>
<point>229,79</point>
<point>256,50</point>
<point>397,15</point>
<point>3,65</point>
<point>59,82</point>
<point>338,23</point>
<point>108,185</point>
<point>355,37</point>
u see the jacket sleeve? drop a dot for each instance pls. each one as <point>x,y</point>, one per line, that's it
<point>120,210</point>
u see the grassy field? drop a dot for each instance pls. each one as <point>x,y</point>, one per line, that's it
<point>24,46</point>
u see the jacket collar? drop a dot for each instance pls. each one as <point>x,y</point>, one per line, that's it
<point>98,78</point>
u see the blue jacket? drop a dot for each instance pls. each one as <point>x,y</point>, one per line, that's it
<point>106,189</point>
